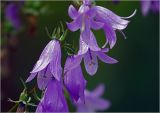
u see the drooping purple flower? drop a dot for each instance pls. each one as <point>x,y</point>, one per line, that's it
<point>112,22</point>
<point>96,17</point>
<point>12,13</point>
<point>53,99</point>
<point>147,5</point>
<point>48,65</point>
<point>83,19</point>
<point>93,101</point>
<point>90,53</point>
<point>73,78</point>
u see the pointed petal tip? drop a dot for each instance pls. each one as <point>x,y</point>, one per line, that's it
<point>31,77</point>
<point>133,14</point>
<point>112,44</point>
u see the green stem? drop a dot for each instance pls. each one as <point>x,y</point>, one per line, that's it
<point>11,110</point>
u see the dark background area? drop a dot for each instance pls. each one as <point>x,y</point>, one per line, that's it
<point>132,85</point>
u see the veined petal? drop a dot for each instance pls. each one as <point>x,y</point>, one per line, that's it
<point>91,63</point>
<point>85,30</point>
<point>96,25</point>
<point>110,35</point>
<point>83,47</point>
<point>105,50</point>
<point>76,24</point>
<point>55,64</point>
<point>53,99</point>
<point>83,9</point>
<point>105,15</point>
<point>31,77</point>
<point>75,83</point>
<point>91,12</point>
<point>43,78</point>
<point>87,2</point>
<point>73,26</point>
<point>72,62</point>
<point>45,58</point>
<point>93,43</point>
<point>73,13</point>
<point>105,58</point>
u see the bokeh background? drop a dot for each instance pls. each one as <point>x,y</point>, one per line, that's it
<point>132,85</point>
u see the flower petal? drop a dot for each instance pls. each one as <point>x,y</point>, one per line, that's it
<point>72,62</point>
<point>105,50</point>
<point>105,58</point>
<point>96,25</point>
<point>110,35</point>
<point>53,99</point>
<point>73,13</point>
<point>55,64</point>
<point>76,24</point>
<point>85,31</point>
<point>87,2</point>
<point>43,78</point>
<point>145,6</point>
<point>83,9</point>
<point>91,12</point>
<point>91,63</point>
<point>105,15</point>
<point>83,47</point>
<point>97,104</point>
<point>31,77</point>
<point>93,43</point>
<point>98,91</point>
<point>130,15</point>
<point>45,58</point>
<point>75,83</point>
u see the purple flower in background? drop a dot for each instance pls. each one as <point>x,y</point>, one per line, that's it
<point>116,1</point>
<point>90,53</point>
<point>83,19</point>
<point>48,65</point>
<point>12,13</point>
<point>148,5</point>
<point>93,101</point>
<point>53,99</point>
<point>73,78</point>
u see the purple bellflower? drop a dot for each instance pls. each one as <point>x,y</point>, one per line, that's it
<point>93,101</point>
<point>53,99</point>
<point>12,12</point>
<point>83,19</point>
<point>48,65</point>
<point>73,78</point>
<point>148,5</point>
<point>90,53</point>
<point>96,17</point>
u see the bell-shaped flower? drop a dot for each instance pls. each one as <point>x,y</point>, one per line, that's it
<point>111,22</point>
<point>48,65</point>
<point>73,78</point>
<point>93,101</point>
<point>90,53</point>
<point>96,17</point>
<point>53,99</point>
<point>83,19</point>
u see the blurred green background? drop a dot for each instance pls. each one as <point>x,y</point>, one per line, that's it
<point>132,85</point>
